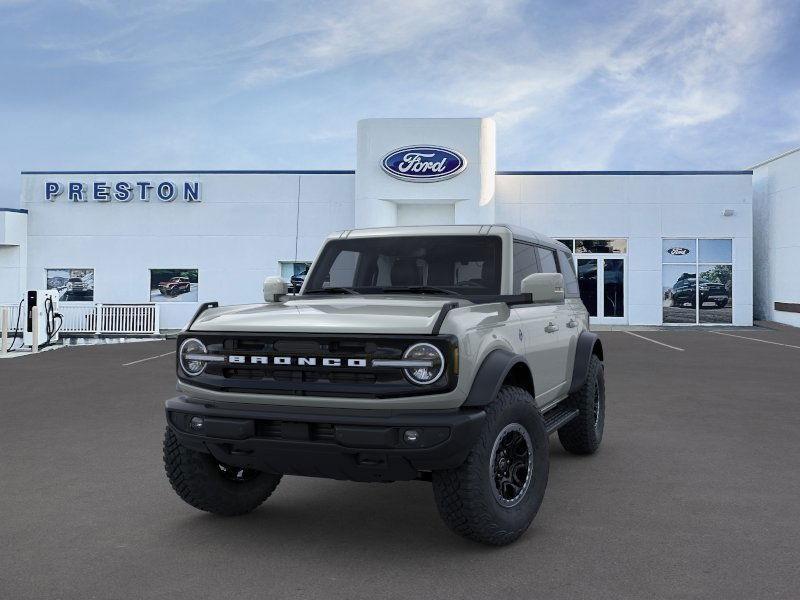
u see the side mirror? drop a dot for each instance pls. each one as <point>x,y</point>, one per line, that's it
<point>544,287</point>
<point>274,288</point>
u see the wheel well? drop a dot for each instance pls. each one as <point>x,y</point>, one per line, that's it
<point>597,349</point>
<point>520,376</point>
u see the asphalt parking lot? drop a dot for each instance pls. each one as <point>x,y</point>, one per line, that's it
<point>694,494</point>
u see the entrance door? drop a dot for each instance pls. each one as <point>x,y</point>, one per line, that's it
<point>601,279</point>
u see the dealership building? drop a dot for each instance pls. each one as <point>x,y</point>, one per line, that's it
<point>650,248</point>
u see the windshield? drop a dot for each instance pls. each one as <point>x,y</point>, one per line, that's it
<point>466,265</point>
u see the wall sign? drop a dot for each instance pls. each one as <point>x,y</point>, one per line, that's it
<point>423,163</point>
<point>678,251</point>
<point>122,191</point>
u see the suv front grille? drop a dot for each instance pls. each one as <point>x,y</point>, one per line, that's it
<point>315,380</point>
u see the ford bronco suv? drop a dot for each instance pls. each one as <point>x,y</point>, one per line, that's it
<point>175,286</point>
<point>444,354</point>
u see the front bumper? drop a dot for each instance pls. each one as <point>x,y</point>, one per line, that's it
<point>364,445</point>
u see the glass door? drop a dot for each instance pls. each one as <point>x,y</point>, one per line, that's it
<point>601,280</point>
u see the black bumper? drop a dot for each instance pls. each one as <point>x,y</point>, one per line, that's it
<point>336,444</point>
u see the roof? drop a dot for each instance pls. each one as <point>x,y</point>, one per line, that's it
<point>519,233</point>
<point>351,172</point>
<point>774,158</point>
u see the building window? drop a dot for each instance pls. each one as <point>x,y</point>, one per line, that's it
<point>612,246</point>
<point>173,285</point>
<point>569,244</point>
<point>692,299</point>
<point>294,273</point>
<point>601,277</point>
<point>73,285</point>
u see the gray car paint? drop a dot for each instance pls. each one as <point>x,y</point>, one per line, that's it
<point>480,328</point>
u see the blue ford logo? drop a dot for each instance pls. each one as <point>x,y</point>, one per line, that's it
<point>678,251</point>
<point>423,163</point>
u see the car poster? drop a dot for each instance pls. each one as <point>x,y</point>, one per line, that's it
<point>73,285</point>
<point>173,285</point>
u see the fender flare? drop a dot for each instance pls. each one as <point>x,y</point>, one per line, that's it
<point>588,344</point>
<point>490,376</point>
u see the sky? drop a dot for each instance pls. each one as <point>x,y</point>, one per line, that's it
<point>572,85</point>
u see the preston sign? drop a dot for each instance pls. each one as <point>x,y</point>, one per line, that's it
<point>423,163</point>
<point>123,191</point>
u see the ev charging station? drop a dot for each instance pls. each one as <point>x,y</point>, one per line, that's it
<point>42,319</point>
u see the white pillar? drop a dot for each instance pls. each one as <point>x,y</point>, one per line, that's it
<point>4,332</point>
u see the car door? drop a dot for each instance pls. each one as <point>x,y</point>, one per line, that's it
<point>554,327</point>
<point>539,330</point>
<point>576,312</point>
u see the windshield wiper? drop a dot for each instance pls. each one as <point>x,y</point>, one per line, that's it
<point>419,289</point>
<point>331,290</point>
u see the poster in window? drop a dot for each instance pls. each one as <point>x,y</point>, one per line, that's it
<point>173,285</point>
<point>679,293</point>
<point>716,293</point>
<point>73,285</point>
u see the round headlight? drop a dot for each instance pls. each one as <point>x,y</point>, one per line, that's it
<point>190,347</point>
<point>425,353</point>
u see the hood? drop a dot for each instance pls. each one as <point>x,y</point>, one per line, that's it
<point>350,314</point>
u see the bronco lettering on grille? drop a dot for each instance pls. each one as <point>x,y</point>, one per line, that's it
<point>300,361</point>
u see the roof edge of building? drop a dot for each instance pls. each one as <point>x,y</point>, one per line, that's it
<point>351,172</point>
<point>198,172</point>
<point>776,157</point>
<point>721,172</point>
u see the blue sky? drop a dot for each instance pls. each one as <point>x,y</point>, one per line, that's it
<point>194,84</point>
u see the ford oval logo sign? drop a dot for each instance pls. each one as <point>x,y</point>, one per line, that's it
<point>423,163</point>
<point>678,251</point>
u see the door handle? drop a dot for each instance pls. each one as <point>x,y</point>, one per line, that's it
<point>572,323</point>
<point>551,327</point>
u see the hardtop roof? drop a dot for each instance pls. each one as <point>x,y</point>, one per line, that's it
<point>519,233</point>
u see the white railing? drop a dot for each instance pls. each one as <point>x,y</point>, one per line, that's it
<point>12,318</point>
<point>100,318</point>
<point>128,318</point>
<point>78,318</point>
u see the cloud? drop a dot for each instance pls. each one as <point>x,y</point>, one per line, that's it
<point>580,85</point>
<point>335,34</point>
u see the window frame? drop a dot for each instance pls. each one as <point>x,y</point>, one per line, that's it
<point>161,302</point>
<point>696,264</point>
<point>94,282</point>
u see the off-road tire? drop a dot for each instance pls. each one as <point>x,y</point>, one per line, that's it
<point>196,477</point>
<point>465,496</point>
<point>584,433</point>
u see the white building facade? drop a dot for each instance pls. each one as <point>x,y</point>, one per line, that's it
<point>651,248</point>
<point>776,197</point>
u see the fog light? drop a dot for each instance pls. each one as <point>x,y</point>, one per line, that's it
<point>196,423</point>
<point>411,436</point>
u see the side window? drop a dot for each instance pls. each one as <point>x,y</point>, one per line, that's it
<point>524,263</point>
<point>547,258</point>
<point>343,269</point>
<point>568,270</point>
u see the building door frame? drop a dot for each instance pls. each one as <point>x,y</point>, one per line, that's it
<point>600,260</point>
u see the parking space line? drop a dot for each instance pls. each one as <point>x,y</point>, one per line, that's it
<point>141,360</point>
<point>654,341</point>
<point>755,339</point>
